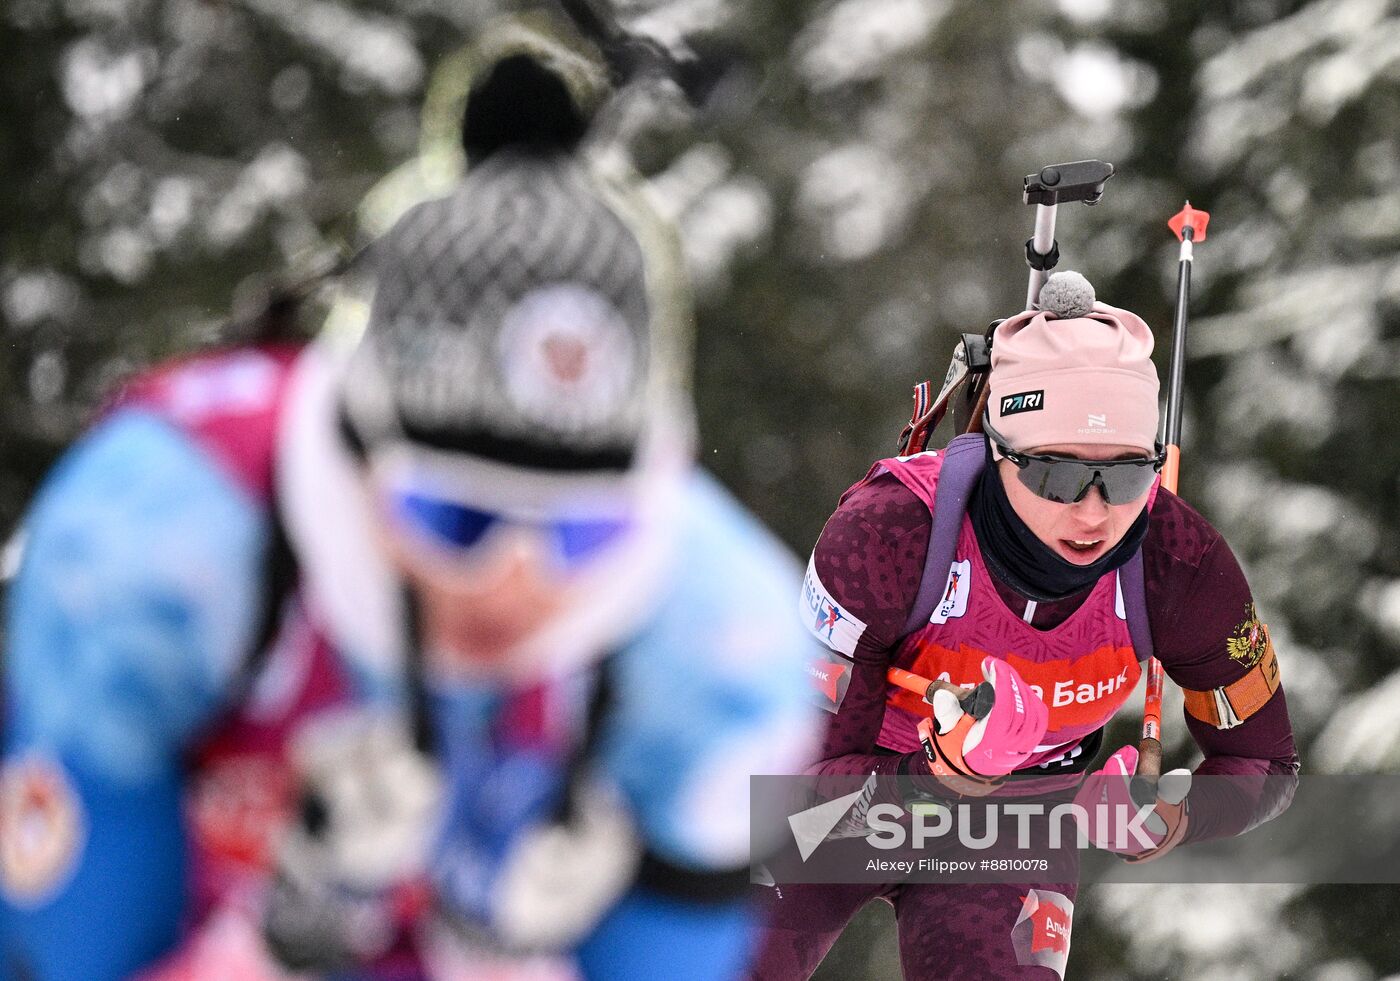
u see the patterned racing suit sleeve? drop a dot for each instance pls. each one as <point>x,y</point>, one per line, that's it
<point>869,558</point>
<point>1198,601</point>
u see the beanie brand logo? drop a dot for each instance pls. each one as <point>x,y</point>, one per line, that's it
<point>567,358</point>
<point>1022,402</point>
<point>568,361</point>
<point>1098,420</point>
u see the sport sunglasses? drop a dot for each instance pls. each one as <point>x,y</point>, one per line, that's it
<point>1067,479</point>
<point>458,529</point>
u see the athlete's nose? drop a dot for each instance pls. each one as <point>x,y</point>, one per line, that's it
<point>1093,506</point>
<point>520,560</point>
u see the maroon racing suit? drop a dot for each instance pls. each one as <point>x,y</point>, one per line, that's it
<point>863,582</point>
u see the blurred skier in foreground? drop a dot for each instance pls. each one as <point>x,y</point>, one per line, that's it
<point>437,658</point>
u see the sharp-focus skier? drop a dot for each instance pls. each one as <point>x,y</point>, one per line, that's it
<point>1065,539</point>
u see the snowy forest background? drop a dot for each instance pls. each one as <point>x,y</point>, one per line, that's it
<point>850,200</point>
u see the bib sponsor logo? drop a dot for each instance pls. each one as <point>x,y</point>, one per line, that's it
<point>1081,694</point>
<point>955,593</point>
<point>1042,931</point>
<point>1069,693</point>
<point>1023,402</point>
<point>834,626</point>
<point>41,829</point>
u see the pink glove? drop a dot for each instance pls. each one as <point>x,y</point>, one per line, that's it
<point>1110,817</point>
<point>970,755</point>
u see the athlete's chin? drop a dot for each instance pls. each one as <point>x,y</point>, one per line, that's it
<point>476,646</point>
<point>485,648</point>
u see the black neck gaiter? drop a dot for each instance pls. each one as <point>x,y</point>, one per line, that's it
<point>1018,558</point>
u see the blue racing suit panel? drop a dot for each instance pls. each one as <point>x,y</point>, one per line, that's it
<point>648,936</point>
<point>714,689</point>
<point>136,597</point>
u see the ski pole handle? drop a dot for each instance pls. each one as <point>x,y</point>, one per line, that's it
<point>976,702</point>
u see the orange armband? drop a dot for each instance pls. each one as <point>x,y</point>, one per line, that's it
<point>1229,705</point>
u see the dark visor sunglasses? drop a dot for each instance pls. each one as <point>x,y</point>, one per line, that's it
<point>1067,479</point>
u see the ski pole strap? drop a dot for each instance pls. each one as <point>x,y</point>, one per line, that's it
<point>914,438</point>
<point>922,398</point>
<point>1230,705</point>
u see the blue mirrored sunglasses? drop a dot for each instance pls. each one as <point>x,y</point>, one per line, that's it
<point>456,527</point>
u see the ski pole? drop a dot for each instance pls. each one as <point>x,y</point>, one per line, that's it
<point>976,702</point>
<point>1190,226</point>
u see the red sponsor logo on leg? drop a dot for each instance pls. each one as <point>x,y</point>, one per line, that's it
<point>1050,928</point>
<point>1041,936</point>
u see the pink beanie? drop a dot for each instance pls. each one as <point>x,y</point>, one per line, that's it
<point>1077,371</point>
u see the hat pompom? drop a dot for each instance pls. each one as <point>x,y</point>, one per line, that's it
<point>521,103</point>
<point>1067,295</point>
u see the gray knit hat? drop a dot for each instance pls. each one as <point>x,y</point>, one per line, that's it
<point>511,320</point>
